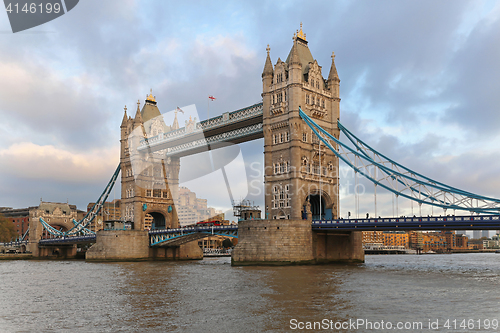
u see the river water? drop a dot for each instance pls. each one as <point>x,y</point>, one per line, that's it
<point>211,296</point>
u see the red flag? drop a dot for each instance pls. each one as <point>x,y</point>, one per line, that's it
<point>212,98</point>
<point>180,110</point>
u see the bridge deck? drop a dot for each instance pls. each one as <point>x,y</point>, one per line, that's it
<point>178,236</point>
<point>479,222</point>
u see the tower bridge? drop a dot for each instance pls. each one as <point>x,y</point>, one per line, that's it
<point>299,120</point>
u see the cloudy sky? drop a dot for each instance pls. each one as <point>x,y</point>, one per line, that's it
<point>420,81</point>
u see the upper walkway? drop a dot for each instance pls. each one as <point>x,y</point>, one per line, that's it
<point>474,222</point>
<point>230,127</point>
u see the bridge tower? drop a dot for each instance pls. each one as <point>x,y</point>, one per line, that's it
<point>301,177</point>
<point>298,172</point>
<point>148,180</point>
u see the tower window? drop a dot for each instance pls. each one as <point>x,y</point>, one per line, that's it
<point>304,137</point>
<point>307,98</point>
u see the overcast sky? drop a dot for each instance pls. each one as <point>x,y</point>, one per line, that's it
<point>419,81</point>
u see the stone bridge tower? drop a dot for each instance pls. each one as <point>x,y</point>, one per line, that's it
<point>149,180</point>
<point>299,172</point>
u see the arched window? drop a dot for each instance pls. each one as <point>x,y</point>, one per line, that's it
<point>307,98</point>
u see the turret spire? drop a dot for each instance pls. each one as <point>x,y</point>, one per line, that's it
<point>333,70</point>
<point>268,67</point>
<point>138,116</point>
<point>125,118</point>
<point>294,54</point>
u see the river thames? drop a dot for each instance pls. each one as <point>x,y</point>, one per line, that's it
<point>211,296</point>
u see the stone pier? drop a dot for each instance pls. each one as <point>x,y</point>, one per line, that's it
<point>292,242</point>
<point>132,245</point>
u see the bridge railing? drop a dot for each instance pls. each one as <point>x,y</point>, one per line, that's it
<point>412,219</point>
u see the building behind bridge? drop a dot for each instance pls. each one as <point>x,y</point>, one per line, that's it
<point>191,209</point>
<point>59,215</point>
<point>442,241</point>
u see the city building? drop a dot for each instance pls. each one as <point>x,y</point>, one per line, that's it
<point>387,238</point>
<point>19,217</point>
<point>416,240</point>
<point>444,241</point>
<point>109,211</point>
<point>396,238</point>
<point>476,234</point>
<point>370,237</point>
<point>191,209</point>
<point>58,215</point>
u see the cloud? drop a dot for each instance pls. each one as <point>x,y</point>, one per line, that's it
<point>33,162</point>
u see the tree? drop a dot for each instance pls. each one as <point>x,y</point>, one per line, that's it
<point>226,243</point>
<point>8,232</point>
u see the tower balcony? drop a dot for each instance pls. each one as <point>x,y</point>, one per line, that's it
<point>279,108</point>
<point>318,112</point>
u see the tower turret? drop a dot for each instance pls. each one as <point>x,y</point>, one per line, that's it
<point>333,79</point>
<point>267,74</point>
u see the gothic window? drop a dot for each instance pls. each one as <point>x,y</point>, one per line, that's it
<point>273,99</point>
<point>157,193</point>
<point>274,139</point>
<point>287,188</point>
<point>282,167</point>
<point>323,103</point>
<point>317,84</point>
<point>286,96</point>
<point>287,136</point>
<point>281,137</point>
<point>276,168</point>
<point>307,98</point>
<point>315,138</point>
<point>165,194</point>
<point>287,168</point>
<point>304,137</point>
<point>148,193</point>
<point>275,189</point>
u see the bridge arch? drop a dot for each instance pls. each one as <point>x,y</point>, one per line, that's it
<point>158,219</point>
<point>313,199</point>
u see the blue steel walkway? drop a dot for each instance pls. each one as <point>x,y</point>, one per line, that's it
<point>477,222</point>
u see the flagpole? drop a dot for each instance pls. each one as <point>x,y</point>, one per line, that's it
<point>208,107</point>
